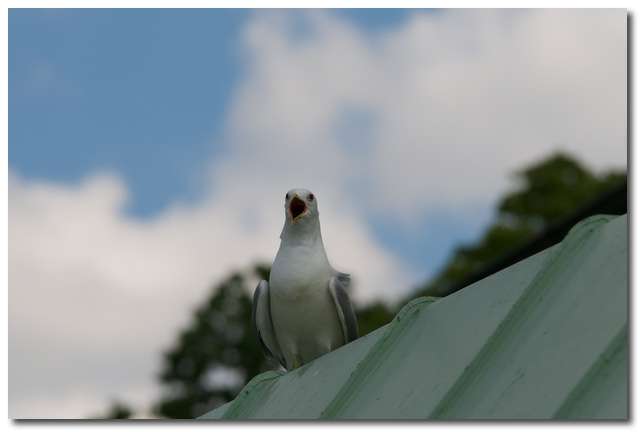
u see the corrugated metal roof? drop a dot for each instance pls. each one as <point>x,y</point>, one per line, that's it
<point>545,338</point>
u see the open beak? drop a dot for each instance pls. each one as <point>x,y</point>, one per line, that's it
<point>297,207</point>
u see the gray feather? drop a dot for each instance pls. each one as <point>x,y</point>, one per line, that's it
<point>262,323</point>
<point>339,286</point>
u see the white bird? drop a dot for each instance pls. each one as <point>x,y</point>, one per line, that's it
<point>304,311</point>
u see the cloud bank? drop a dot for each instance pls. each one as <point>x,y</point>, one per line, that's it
<point>434,113</point>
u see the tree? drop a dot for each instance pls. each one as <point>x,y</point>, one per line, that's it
<point>552,189</point>
<point>117,411</point>
<point>548,191</point>
<point>373,316</point>
<point>217,354</point>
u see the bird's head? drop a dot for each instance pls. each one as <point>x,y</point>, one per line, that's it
<point>302,220</point>
<point>300,205</point>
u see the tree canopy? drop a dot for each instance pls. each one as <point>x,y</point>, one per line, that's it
<point>546,192</point>
<point>216,354</point>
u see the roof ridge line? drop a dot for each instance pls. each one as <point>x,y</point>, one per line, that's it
<point>245,393</point>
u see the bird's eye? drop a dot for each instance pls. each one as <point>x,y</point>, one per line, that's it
<point>286,197</point>
<point>311,197</point>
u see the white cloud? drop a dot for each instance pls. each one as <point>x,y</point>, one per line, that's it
<point>455,101</point>
<point>448,105</point>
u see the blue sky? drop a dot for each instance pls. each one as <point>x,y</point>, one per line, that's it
<point>116,90</point>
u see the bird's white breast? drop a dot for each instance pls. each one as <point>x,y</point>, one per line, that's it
<point>303,312</point>
<point>298,271</point>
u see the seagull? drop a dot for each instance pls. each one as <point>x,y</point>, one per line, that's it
<point>304,310</point>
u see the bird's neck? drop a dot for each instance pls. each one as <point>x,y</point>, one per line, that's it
<point>303,244</point>
<point>306,233</point>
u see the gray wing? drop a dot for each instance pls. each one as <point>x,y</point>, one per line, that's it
<point>262,323</point>
<point>338,286</point>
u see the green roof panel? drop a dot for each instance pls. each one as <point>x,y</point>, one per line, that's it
<point>545,338</point>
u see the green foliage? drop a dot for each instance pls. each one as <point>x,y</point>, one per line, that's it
<point>548,191</point>
<point>117,411</point>
<point>552,189</point>
<point>218,344</point>
<point>373,316</point>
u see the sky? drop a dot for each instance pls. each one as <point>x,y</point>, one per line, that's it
<point>150,152</point>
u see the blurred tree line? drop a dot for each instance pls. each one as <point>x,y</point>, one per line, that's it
<point>547,192</point>
<point>218,353</point>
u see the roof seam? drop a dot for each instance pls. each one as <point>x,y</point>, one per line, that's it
<point>516,314</point>
<point>615,346</point>
<point>375,356</point>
